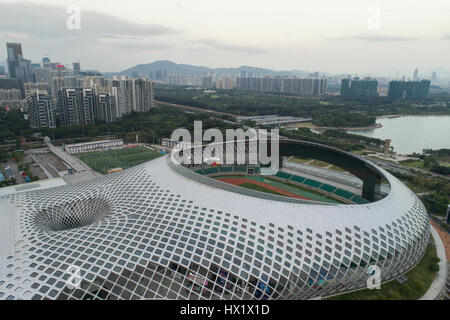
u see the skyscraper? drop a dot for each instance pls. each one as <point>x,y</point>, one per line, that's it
<point>416,75</point>
<point>46,63</point>
<point>434,77</point>
<point>41,110</point>
<point>76,67</point>
<point>18,67</point>
<point>359,88</point>
<point>409,89</point>
<point>345,87</point>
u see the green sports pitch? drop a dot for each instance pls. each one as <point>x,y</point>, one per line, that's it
<point>101,161</point>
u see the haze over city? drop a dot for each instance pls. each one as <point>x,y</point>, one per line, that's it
<point>323,36</point>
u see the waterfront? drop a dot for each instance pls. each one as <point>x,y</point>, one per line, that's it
<point>412,133</point>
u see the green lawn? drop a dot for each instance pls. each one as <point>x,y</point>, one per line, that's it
<point>419,280</point>
<point>299,160</point>
<point>308,193</point>
<point>417,164</point>
<point>101,161</point>
<point>302,191</point>
<point>319,163</point>
<point>334,168</point>
<point>259,188</point>
<point>359,152</point>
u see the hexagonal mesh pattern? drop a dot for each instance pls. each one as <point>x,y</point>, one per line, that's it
<point>135,238</point>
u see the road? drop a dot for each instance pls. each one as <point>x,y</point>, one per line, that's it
<point>40,157</point>
<point>402,169</point>
<point>75,163</point>
<point>194,108</point>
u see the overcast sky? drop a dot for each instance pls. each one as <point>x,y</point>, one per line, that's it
<point>321,35</point>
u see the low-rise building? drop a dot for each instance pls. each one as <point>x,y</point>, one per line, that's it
<point>169,143</point>
<point>92,146</point>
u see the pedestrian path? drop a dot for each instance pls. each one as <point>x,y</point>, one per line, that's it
<point>438,286</point>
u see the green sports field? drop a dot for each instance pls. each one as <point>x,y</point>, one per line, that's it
<point>299,190</point>
<point>101,161</point>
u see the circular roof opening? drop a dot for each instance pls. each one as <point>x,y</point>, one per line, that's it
<point>74,214</point>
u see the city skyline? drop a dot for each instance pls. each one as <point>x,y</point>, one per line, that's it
<point>337,40</point>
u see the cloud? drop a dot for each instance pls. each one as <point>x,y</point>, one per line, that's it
<point>229,47</point>
<point>48,21</point>
<point>51,22</point>
<point>446,36</point>
<point>103,42</point>
<point>377,38</point>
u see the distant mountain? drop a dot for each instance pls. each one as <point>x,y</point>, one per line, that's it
<point>170,67</point>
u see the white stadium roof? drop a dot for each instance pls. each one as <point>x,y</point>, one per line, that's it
<point>159,231</point>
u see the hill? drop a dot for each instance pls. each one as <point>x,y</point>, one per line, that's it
<point>169,67</point>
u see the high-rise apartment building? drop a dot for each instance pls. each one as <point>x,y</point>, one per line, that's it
<point>81,106</point>
<point>207,82</point>
<point>412,90</point>
<point>106,108</point>
<point>76,107</point>
<point>89,106</point>
<point>227,83</point>
<point>18,67</point>
<point>43,75</point>
<point>132,95</point>
<point>143,95</point>
<point>41,110</point>
<point>359,88</point>
<point>126,96</point>
<point>72,82</point>
<point>32,87</point>
<point>289,85</point>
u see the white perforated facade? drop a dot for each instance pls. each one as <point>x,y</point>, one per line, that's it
<point>155,232</point>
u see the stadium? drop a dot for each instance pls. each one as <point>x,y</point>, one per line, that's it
<point>166,230</point>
